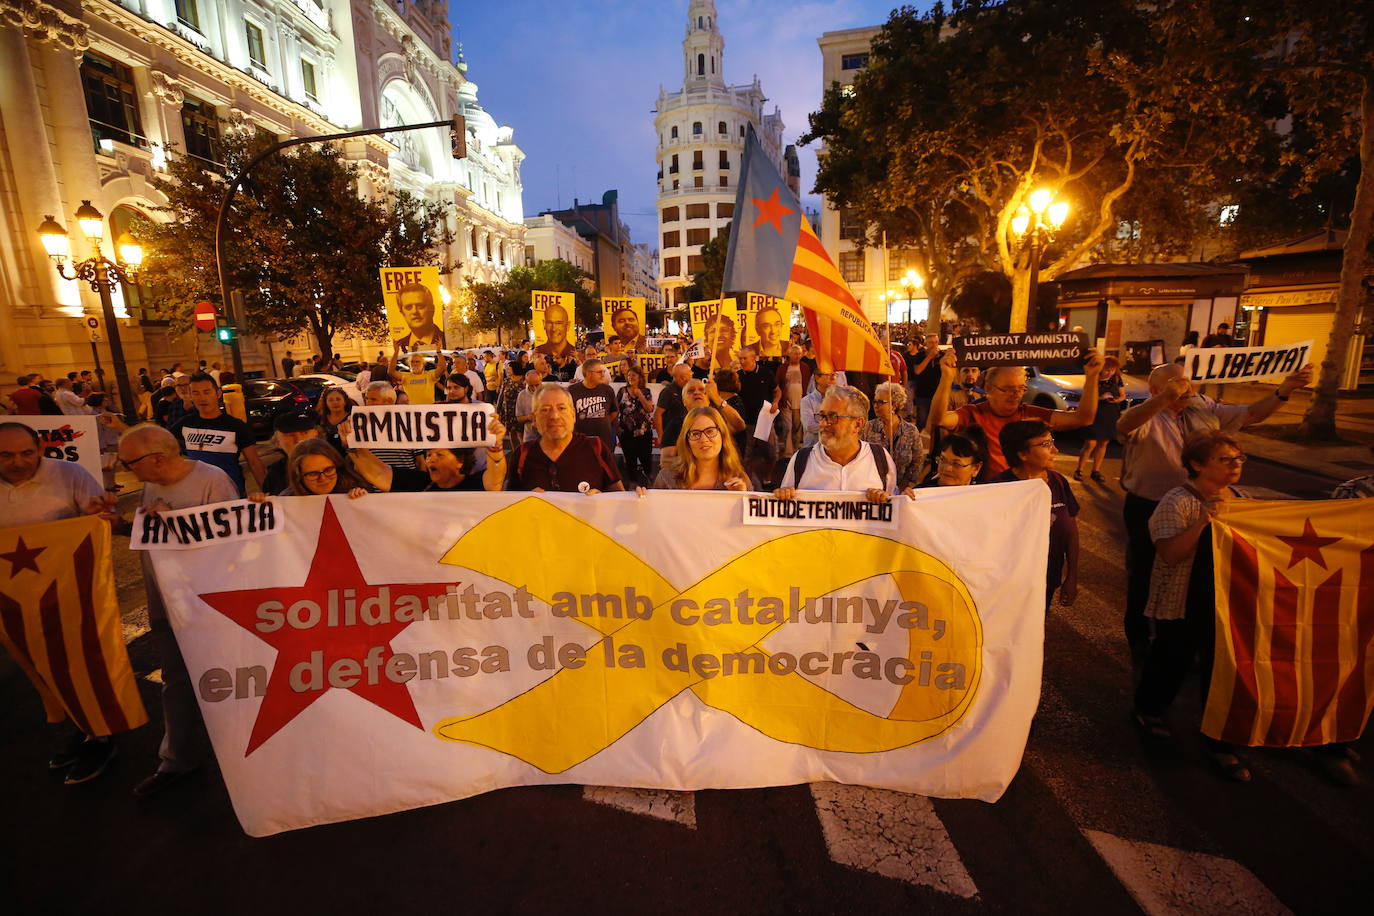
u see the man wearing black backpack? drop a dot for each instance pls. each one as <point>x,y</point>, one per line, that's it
<point>841,460</point>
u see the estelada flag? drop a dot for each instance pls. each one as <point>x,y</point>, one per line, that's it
<point>59,620</point>
<point>773,250</point>
<point>1295,621</point>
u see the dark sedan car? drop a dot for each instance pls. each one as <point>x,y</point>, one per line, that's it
<point>266,398</point>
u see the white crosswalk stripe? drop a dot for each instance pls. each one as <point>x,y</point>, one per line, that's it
<point>1166,880</point>
<point>678,807</point>
<point>892,834</point>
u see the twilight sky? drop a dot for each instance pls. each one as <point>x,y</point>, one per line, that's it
<point>578,79</point>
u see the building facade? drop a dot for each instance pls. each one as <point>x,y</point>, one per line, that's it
<point>874,276</point>
<point>701,131</point>
<point>642,279</point>
<point>96,96</point>
<point>546,239</point>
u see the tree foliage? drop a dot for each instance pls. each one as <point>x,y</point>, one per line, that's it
<point>507,304</point>
<point>303,247</point>
<point>707,282</point>
<point>959,116</point>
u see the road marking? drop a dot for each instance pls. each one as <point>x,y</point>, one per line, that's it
<point>678,807</point>
<point>892,834</point>
<point>1166,880</point>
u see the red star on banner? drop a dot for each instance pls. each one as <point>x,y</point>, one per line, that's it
<point>1307,546</point>
<point>333,568</point>
<point>22,558</point>
<point>771,211</point>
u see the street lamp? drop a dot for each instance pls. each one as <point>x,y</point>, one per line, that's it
<point>1041,215</point>
<point>103,275</point>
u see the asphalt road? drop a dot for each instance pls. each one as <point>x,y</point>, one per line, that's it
<point>1094,822</point>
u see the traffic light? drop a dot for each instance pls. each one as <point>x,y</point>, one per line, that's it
<point>226,334</point>
<point>458,135</point>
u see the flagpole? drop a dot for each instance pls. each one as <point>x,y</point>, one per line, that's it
<point>887,312</point>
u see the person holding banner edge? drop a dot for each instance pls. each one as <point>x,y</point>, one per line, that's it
<point>841,461</point>
<point>1153,434</point>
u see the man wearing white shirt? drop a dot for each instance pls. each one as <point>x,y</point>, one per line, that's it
<point>68,401</point>
<point>841,461</point>
<point>811,405</point>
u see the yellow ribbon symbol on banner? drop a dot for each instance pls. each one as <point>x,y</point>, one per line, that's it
<point>578,712</point>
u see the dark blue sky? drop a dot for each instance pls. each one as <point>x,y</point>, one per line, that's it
<point>578,79</point>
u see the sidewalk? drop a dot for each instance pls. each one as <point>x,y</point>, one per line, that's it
<point>1338,462</point>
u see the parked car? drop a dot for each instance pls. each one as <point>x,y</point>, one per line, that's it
<point>1061,387</point>
<point>266,399</point>
<point>344,380</point>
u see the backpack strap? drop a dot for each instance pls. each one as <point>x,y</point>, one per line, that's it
<point>803,456</point>
<point>880,461</point>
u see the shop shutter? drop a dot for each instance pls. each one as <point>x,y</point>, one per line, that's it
<point>1297,323</point>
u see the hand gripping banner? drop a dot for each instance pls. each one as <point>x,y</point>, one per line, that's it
<point>409,649</point>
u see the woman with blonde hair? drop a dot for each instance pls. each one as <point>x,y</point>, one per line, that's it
<point>706,456</point>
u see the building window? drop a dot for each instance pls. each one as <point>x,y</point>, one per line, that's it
<point>675,184</point>
<point>698,211</point>
<point>308,80</point>
<point>741,130</point>
<point>696,159</point>
<point>673,134</point>
<point>722,128</point>
<point>672,169</point>
<point>187,14</point>
<point>257,56</point>
<point>724,159</point>
<point>698,182</point>
<point>696,128</point>
<point>670,214</point>
<point>698,236</point>
<point>899,262</point>
<point>701,65</point>
<point>672,267</point>
<point>529,254</point>
<point>672,239</point>
<point>853,61</point>
<point>725,211</point>
<point>111,103</point>
<point>695,264</point>
<point>200,128</point>
<point>852,266</point>
<point>850,226</point>
<point>725,181</point>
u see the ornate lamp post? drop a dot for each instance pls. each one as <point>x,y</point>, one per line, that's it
<point>1041,216</point>
<point>103,275</point>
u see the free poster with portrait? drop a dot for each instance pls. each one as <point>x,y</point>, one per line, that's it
<point>414,309</point>
<point>623,318</point>
<point>551,322</point>
<point>765,322</point>
<point>715,324</point>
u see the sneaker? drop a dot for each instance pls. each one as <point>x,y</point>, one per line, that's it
<point>93,758</point>
<point>68,754</point>
<point>159,782</point>
<point>1097,475</point>
<point>1078,474</point>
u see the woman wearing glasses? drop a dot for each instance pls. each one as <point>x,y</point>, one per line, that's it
<point>900,437</point>
<point>1182,601</point>
<point>960,461</point>
<point>315,468</point>
<point>1029,448</point>
<point>707,457</point>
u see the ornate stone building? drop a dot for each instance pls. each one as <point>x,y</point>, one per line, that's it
<point>95,95</point>
<point>701,131</point>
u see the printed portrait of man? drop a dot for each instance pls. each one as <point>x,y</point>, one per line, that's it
<point>771,330</point>
<point>719,333</point>
<point>556,325</point>
<point>625,324</point>
<point>416,305</point>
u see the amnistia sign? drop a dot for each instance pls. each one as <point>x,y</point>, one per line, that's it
<point>509,640</point>
<point>422,426</point>
<point>1224,365</point>
<point>1039,349</point>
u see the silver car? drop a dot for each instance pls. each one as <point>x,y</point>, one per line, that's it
<point>1061,387</point>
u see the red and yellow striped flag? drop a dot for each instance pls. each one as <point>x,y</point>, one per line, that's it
<point>843,337</point>
<point>59,620</point>
<point>1295,621</point>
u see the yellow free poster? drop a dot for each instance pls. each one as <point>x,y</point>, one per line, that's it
<point>551,320</point>
<point>414,318</point>
<point>714,323</point>
<point>764,323</point>
<point>624,319</point>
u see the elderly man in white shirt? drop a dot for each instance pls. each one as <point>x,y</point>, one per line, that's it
<point>841,460</point>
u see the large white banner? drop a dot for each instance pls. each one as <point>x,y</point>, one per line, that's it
<point>68,437</point>
<point>401,650</point>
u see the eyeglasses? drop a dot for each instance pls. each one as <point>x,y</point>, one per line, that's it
<point>1020,389</point>
<point>1047,442</point>
<point>711,432</point>
<point>828,417</point>
<point>1232,460</point>
<point>129,465</point>
<point>951,463</point>
<point>876,403</point>
<point>317,476</point>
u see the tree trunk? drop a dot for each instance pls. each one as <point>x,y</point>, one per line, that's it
<point>1020,298</point>
<point>1320,420</point>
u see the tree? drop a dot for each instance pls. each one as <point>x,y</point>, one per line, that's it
<point>303,247</point>
<point>957,118</point>
<point>507,304</point>
<point>707,282</point>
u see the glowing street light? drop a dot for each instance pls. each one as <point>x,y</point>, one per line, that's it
<point>1041,215</point>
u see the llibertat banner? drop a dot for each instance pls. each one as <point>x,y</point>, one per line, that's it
<point>402,650</point>
<point>1045,348</point>
<point>414,316</point>
<point>1226,365</point>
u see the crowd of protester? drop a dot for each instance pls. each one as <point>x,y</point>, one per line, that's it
<point>591,425</point>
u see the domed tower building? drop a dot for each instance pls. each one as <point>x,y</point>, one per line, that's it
<point>701,130</point>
